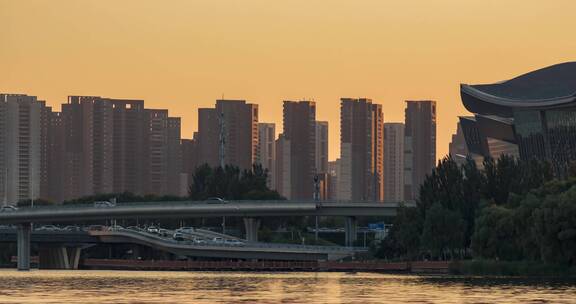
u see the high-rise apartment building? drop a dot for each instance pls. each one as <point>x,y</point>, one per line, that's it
<point>362,150</point>
<point>240,132</point>
<point>129,140</point>
<point>95,145</point>
<point>116,145</point>
<point>56,157</point>
<point>333,172</point>
<point>20,147</point>
<point>156,152</point>
<point>321,147</point>
<point>175,159</point>
<point>419,144</point>
<point>239,137</point>
<point>267,151</point>
<point>189,149</point>
<point>283,166</point>
<point>88,139</point>
<point>208,137</point>
<point>296,150</point>
<point>393,162</point>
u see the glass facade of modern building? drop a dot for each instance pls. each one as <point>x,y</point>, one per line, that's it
<point>532,116</point>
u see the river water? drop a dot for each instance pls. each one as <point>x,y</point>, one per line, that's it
<point>258,287</point>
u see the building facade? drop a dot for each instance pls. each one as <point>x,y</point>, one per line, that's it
<point>532,116</point>
<point>322,147</point>
<point>129,141</point>
<point>333,170</point>
<point>393,162</point>
<point>88,140</point>
<point>283,167</point>
<point>20,147</point>
<point>266,155</point>
<point>419,144</point>
<point>233,125</point>
<point>298,150</point>
<point>208,137</point>
<point>457,147</point>
<point>361,150</point>
<point>240,132</point>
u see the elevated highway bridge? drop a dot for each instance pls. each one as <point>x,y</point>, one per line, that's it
<point>60,249</point>
<point>250,211</point>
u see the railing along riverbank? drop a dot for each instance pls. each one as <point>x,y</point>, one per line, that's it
<point>368,266</point>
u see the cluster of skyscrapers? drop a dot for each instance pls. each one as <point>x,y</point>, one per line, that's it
<point>94,145</point>
<point>103,145</point>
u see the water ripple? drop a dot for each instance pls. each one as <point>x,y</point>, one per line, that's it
<point>257,287</point>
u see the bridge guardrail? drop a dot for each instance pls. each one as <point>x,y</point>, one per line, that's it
<point>246,244</point>
<point>211,203</point>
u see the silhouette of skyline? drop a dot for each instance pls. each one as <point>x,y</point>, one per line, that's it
<point>185,55</point>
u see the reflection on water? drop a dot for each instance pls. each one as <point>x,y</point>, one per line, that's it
<point>249,287</point>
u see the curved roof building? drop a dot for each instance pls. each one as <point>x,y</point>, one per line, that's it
<point>531,116</point>
<point>553,86</point>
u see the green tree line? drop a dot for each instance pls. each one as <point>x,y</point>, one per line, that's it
<point>510,209</point>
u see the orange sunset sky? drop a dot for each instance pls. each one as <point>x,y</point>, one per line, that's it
<point>184,54</point>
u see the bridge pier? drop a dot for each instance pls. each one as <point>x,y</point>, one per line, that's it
<point>23,244</point>
<point>74,257</point>
<point>351,231</point>
<point>53,258</point>
<point>59,257</point>
<point>251,226</point>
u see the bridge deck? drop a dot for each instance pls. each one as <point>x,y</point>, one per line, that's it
<point>189,209</point>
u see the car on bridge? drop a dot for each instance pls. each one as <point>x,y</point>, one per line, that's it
<point>8,208</point>
<point>216,200</point>
<point>178,236</point>
<point>104,204</point>
<point>234,242</point>
<point>48,228</point>
<point>185,230</point>
<point>199,241</point>
<point>153,229</point>
<point>98,228</point>
<point>72,228</point>
<point>218,240</point>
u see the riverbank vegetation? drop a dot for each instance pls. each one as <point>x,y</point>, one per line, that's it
<point>510,268</point>
<point>511,210</point>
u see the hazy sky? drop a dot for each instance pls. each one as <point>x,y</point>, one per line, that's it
<point>185,54</point>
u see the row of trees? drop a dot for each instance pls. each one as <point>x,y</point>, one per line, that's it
<point>231,183</point>
<point>540,226</point>
<point>510,209</point>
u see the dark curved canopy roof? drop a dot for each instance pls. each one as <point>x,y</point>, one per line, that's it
<point>548,87</point>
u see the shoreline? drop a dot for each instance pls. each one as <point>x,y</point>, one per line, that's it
<point>420,267</point>
<point>467,268</point>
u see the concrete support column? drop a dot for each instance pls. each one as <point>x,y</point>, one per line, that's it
<point>74,257</point>
<point>251,226</point>
<point>59,257</point>
<point>53,258</point>
<point>23,244</point>
<point>351,230</point>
